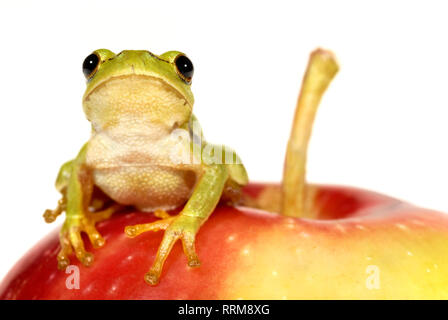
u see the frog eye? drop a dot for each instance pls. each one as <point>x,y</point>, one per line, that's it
<point>90,65</point>
<point>184,68</point>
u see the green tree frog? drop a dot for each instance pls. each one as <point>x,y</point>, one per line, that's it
<point>145,152</point>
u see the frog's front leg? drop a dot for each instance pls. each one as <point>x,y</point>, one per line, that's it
<point>186,224</point>
<point>78,195</point>
<point>75,182</point>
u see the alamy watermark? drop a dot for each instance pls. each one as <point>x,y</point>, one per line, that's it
<point>189,147</point>
<point>72,281</point>
<point>373,277</point>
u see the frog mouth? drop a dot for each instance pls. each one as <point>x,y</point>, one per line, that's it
<point>138,97</point>
<point>128,80</point>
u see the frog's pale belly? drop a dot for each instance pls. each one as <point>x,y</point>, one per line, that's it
<point>141,170</point>
<point>146,187</point>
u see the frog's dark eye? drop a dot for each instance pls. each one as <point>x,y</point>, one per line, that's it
<point>90,65</point>
<point>184,68</point>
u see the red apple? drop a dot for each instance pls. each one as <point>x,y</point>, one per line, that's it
<point>253,254</point>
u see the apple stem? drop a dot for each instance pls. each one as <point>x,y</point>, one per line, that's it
<point>322,67</point>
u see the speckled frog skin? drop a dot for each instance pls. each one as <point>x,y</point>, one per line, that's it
<point>146,150</point>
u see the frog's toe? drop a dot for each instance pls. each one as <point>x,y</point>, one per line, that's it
<point>95,237</point>
<point>74,235</point>
<point>178,227</point>
<point>51,215</point>
<point>63,261</point>
<point>188,243</point>
<point>64,253</point>
<point>133,231</point>
<point>71,241</point>
<point>173,233</point>
<point>162,214</point>
<point>152,277</point>
<point>163,224</point>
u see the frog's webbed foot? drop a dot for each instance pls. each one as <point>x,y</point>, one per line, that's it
<point>71,240</point>
<point>181,227</point>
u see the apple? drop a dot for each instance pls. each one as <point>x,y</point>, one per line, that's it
<point>287,241</point>
<point>249,253</point>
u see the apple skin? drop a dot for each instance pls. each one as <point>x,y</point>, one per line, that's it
<point>253,254</point>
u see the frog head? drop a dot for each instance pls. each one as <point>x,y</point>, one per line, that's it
<point>137,89</point>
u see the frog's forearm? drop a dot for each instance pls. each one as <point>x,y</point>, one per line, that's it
<point>79,188</point>
<point>64,176</point>
<point>78,194</point>
<point>207,192</point>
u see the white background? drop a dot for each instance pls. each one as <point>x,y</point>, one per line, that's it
<point>382,124</point>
